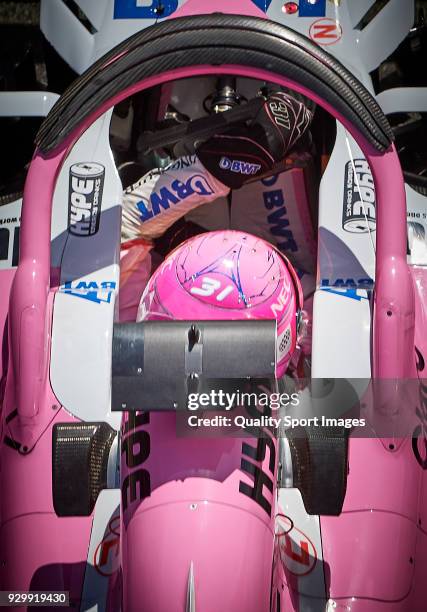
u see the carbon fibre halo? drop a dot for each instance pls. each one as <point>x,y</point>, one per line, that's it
<point>216,39</point>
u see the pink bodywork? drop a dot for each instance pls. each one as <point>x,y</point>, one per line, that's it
<point>196,518</point>
<point>195,512</point>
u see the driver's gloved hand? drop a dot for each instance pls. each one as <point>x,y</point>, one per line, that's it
<point>245,152</point>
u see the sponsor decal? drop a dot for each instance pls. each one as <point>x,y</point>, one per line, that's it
<point>410,215</point>
<point>135,450</point>
<point>282,303</point>
<point>106,559</point>
<point>261,473</point>
<point>305,8</point>
<point>10,220</point>
<point>144,9</point>
<point>264,5</point>
<point>325,31</point>
<point>9,241</point>
<point>154,9</point>
<point>90,290</point>
<point>85,198</point>
<point>359,212</point>
<point>9,238</point>
<point>4,243</point>
<point>241,167</point>
<point>183,162</point>
<point>348,293</point>
<point>310,8</point>
<point>297,551</point>
<point>360,283</point>
<point>274,200</point>
<point>178,191</point>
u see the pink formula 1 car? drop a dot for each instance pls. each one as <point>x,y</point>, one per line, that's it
<point>104,494</point>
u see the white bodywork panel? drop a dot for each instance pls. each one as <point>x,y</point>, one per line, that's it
<point>80,371</point>
<point>78,255</point>
<point>67,35</point>
<point>361,50</point>
<point>84,307</point>
<point>403,100</point>
<point>305,534</point>
<point>341,334</point>
<point>26,103</point>
<point>103,558</point>
<point>346,256</point>
<point>78,45</point>
<point>417,226</point>
<point>346,265</point>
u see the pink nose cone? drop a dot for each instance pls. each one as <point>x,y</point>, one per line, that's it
<point>214,553</point>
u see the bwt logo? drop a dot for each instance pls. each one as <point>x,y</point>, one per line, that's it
<point>144,9</point>
<point>274,201</point>
<point>241,167</point>
<point>153,9</point>
<point>343,283</point>
<point>179,191</point>
<point>90,290</point>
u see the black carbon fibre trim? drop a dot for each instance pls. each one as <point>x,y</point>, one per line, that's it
<point>217,40</point>
<point>80,453</point>
<point>319,467</point>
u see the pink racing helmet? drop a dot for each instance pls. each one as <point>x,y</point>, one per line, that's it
<point>228,275</point>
